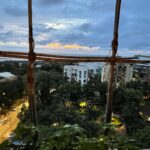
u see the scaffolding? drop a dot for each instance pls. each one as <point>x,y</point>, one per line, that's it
<point>32,57</point>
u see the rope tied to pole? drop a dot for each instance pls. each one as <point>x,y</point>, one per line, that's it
<point>115,43</point>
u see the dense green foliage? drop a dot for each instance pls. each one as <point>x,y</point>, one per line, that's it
<point>58,102</point>
<point>10,91</point>
<point>127,104</point>
<point>142,137</point>
<point>62,104</point>
<point>17,68</point>
<point>68,137</point>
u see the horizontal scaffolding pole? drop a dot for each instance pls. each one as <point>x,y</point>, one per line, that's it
<point>60,58</point>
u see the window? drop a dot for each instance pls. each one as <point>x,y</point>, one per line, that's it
<point>85,74</point>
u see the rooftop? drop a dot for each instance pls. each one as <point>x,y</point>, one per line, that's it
<point>6,74</point>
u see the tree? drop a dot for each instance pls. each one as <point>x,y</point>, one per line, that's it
<point>71,91</point>
<point>95,90</point>
<point>45,81</point>
<point>143,87</point>
<point>10,91</point>
<point>142,137</point>
<point>127,103</point>
<point>52,66</point>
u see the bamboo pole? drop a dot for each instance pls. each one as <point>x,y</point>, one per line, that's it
<point>112,64</point>
<point>60,58</point>
<point>30,70</point>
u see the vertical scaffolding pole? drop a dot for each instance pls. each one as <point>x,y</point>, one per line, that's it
<point>112,64</point>
<point>30,73</point>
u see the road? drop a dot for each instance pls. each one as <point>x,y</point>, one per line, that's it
<point>11,122</point>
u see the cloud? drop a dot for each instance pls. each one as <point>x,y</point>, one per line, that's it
<point>75,23</point>
<point>1,27</point>
<point>6,35</point>
<point>65,31</point>
<point>66,23</point>
<point>103,6</point>
<point>15,11</point>
<point>49,2</point>
<point>42,28</point>
<point>13,44</point>
<point>137,51</point>
<point>86,26</point>
<point>14,33</point>
<point>41,37</point>
<point>60,46</point>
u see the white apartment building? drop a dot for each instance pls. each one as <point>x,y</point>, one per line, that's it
<point>123,73</point>
<point>81,72</point>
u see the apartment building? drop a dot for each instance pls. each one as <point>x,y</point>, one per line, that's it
<point>123,73</point>
<point>81,72</point>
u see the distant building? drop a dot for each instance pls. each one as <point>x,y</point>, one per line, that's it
<point>38,66</point>
<point>123,73</point>
<point>142,72</point>
<point>82,72</point>
<point>4,76</point>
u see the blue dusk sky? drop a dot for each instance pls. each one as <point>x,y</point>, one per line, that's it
<point>76,26</point>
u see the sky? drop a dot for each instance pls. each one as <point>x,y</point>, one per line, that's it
<point>77,27</point>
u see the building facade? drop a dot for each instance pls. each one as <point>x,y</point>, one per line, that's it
<point>123,73</point>
<point>81,72</point>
